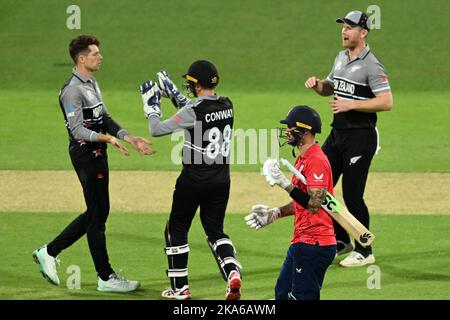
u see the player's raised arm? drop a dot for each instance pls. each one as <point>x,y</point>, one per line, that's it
<point>322,87</point>
<point>151,97</point>
<point>169,90</point>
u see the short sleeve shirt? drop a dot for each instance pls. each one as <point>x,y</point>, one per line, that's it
<point>312,228</point>
<point>362,78</point>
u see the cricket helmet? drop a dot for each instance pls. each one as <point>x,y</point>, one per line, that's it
<point>299,120</point>
<point>204,73</point>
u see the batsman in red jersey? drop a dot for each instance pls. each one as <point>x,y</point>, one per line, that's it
<point>313,246</point>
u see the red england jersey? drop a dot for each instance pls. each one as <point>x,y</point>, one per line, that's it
<point>312,228</point>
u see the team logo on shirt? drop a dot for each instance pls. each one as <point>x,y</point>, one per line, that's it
<point>318,178</point>
<point>354,68</point>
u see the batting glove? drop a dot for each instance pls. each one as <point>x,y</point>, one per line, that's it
<point>261,216</point>
<point>273,174</point>
<point>170,90</point>
<point>151,97</point>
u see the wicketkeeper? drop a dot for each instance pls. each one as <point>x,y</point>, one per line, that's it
<point>313,245</point>
<point>204,182</point>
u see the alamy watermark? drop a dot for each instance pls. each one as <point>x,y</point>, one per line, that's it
<point>374,13</point>
<point>230,146</point>
<point>74,278</point>
<point>374,280</point>
<point>73,21</point>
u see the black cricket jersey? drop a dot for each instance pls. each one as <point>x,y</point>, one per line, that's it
<point>208,131</point>
<point>206,150</point>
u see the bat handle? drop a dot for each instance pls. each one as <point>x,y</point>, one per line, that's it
<point>293,169</point>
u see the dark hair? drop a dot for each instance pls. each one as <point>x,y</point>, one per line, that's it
<point>80,44</point>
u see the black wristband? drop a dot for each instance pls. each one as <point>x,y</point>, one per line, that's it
<point>300,197</point>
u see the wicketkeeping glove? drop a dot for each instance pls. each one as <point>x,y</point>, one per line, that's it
<point>170,90</point>
<point>261,216</point>
<point>273,174</point>
<point>151,97</point>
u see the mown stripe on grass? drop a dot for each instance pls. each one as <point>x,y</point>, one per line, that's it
<point>151,192</point>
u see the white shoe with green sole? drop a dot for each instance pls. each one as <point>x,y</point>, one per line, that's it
<point>47,265</point>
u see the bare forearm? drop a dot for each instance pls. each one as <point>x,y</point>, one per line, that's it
<point>313,204</point>
<point>324,88</point>
<point>129,138</point>
<point>104,138</point>
<point>317,196</point>
<point>287,210</point>
<point>382,102</point>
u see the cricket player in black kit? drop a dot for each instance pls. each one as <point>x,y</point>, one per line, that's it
<point>88,123</point>
<point>205,179</point>
<point>361,88</point>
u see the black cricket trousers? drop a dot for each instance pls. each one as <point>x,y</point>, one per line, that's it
<point>350,153</point>
<point>212,199</point>
<point>94,178</point>
<point>188,196</point>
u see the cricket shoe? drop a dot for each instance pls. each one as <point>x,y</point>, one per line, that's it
<point>47,264</point>
<point>178,294</point>
<point>234,286</point>
<point>343,248</point>
<point>116,283</point>
<point>356,259</point>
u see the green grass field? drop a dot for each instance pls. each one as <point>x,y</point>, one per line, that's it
<point>264,50</point>
<point>406,138</point>
<point>413,262</point>
<point>264,53</point>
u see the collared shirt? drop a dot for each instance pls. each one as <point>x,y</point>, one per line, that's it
<point>86,116</point>
<point>362,78</point>
<point>312,228</point>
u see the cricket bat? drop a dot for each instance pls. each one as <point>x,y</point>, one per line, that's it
<point>339,213</point>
